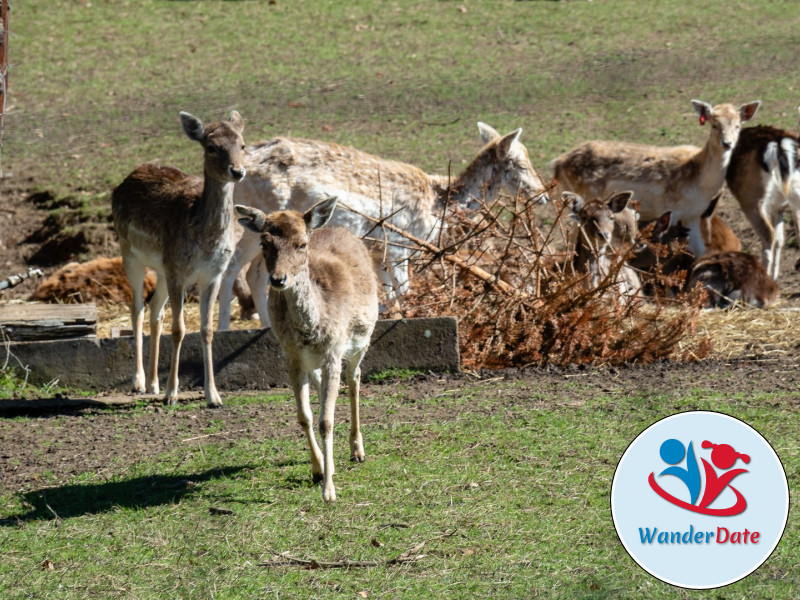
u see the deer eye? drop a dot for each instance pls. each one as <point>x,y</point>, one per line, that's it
<point>211,150</point>
<point>302,246</point>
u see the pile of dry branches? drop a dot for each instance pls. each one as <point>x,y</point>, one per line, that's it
<point>507,277</point>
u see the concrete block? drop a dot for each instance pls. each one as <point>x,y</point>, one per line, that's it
<point>245,359</point>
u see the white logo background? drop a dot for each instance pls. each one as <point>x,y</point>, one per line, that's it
<point>635,505</point>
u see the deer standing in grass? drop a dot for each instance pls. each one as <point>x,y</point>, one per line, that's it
<point>681,179</point>
<point>323,306</point>
<point>297,173</point>
<point>181,226</point>
<point>596,238</point>
<point>763,177</point>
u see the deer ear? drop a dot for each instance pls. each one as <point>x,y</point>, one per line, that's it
<point>318,215</point>
<point>618,202</point>
<point>236,121</point>
<point>488,133</point>
<point>192,126</point>
<point>251,218</point>
<point>662,223</point>
<point>703,110</point>
<point>749,110</point>
<point>504,145</point>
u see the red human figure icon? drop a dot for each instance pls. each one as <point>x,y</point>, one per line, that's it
<point>724,457</point>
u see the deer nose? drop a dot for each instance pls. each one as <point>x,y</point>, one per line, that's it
<point>277,282</point>
<point>238,174</point>
<point>727,144</point>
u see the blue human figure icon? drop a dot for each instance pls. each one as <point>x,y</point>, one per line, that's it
<point>672,452</point>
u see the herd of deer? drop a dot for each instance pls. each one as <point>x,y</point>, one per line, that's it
<point>323,290</point>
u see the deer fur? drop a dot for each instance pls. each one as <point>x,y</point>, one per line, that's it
<point>181,226</point>
<point>594,241</point>
<point>732,276</point>
<point>323,306</point>
<point>100,280</point>
<point>681,179</point>
<point>296,173</point>
<point>763,177</point>
<point>717,235</point>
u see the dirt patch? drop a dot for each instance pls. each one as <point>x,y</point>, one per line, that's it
<point>53,445</point>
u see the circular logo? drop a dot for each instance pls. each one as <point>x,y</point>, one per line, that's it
<point>699,500</point>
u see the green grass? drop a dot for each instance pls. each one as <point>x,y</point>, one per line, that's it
<point>96,86</point>
<point>510,498</point>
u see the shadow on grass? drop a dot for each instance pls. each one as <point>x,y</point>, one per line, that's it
<point>69,501</point>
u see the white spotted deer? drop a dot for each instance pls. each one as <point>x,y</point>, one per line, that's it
<point>181,226</point>
<point>763,177</point>
<point>323,306</point>
<point>681,179</point>
<point>297,173</point>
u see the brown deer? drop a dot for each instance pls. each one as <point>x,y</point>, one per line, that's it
<point>595,237</point>
<point>296,173</point>
<point>763,177</point>
<point>732,276</point>
<point>681,179</point>
<point>323,306</point>
<point>181,226</point>
<point>717,234</point>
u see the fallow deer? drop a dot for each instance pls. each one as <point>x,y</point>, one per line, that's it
<point>323,306</point>
<point>595,235</point>
<point>763,177</point>
<point>732,276</point>
<point>296,173</point>
<point>181,226</point>
<point>681,179</point>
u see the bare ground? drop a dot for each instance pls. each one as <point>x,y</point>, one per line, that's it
<point>50,446</point>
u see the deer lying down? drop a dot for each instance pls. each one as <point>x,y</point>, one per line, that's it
<point>323,306</point>
<point>732,276</point>
<point>181,226</point>
<point>293,173</point>
<point>763,177</point>
<point>682,179</point>
<point>717,235</point>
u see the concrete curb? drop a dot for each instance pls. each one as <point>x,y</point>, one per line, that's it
<point>244,360</point>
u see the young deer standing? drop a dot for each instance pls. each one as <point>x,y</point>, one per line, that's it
<point>297,173</point>
<point>682,179</point>
<point>595,236</point>
<point>764,178</point>
<point>323,306</point>
<point>181,226</point>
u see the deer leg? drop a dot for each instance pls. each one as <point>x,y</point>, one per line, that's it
<point>353,377</point>
<point>135,272</point>
<point>299,381</point>
<point>157,302</point>
<point>178,331</point>
<point>257,281</point>
<point>331,375</point>
<point>765,232</point>
<point>696,243</point>
<point>207,298</point>
<point>246,249</point>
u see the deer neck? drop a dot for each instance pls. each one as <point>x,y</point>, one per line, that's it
<point>473,185</point>
<point>214,211</point>
<point>712,163</point>
<point>302,304</point>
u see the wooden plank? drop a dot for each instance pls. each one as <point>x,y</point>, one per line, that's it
<point>31,322</point>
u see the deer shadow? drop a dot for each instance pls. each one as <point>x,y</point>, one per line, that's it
<point>68,501</point>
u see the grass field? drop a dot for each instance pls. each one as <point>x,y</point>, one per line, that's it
<point>507,486</point>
